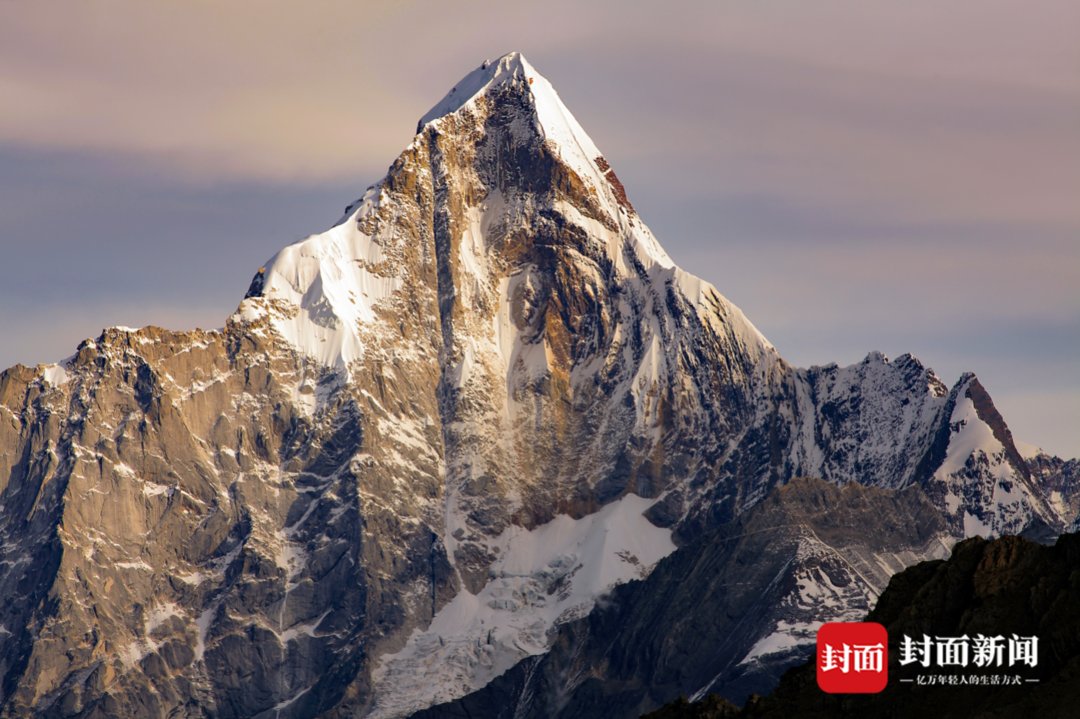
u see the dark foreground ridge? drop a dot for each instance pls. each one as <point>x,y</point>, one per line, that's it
<point>999,587</point>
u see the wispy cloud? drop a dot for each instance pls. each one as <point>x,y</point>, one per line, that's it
<point>856,174</point>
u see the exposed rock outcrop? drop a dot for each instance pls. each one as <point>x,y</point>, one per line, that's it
<point>999,587</point>
<point>430,437</point>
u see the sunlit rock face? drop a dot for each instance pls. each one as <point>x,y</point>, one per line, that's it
<point>428,439</point>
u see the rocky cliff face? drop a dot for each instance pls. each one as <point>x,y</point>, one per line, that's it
<point>197,540</point>
<point>1003,586</point>
<point>728,612</point>
<point>429,437</point>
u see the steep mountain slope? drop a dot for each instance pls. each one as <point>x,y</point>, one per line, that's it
<point>1003,586</point>
<point>894,424</point>
<point>427,438</point>
<point>728,612</point>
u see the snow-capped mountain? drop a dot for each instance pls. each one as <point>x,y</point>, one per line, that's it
<point>434,436</point>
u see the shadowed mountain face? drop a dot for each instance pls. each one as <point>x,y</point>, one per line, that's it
<point>728,612</point>
<point>433,436</point>
<point>1004,586</point>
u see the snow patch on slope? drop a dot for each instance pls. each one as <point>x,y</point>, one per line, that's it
<point>319,293</point>
<point>973,435</point>
<point>786,637</point>
<point>56,375</point>
<point>978,476</point>
<point>543,578</point>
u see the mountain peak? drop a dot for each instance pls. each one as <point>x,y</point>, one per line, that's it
<point>512,175</point>
<point>509,69</point>
<point>555,123</point>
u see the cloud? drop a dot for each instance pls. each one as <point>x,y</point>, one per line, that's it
<point>857,175</point>
<point>211,90</point>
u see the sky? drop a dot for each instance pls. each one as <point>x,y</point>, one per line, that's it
<point>856,175</point>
